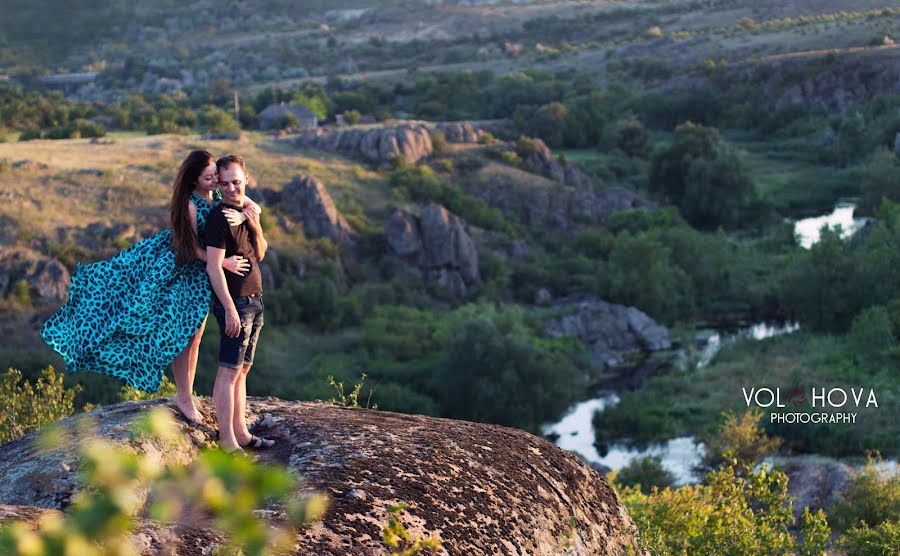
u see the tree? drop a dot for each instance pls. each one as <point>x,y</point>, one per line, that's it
<point>630,135</point>
<point>641,273</point>
<point>549,123</point>
<point>703,177</point>
<point>496,371</point>
<point>880,179</point>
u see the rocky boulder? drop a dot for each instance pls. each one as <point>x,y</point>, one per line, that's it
<point>307,199</point>
<point>540,202</point>
<point>459,132</point>
<point>814,481</point>
<point>612,331</point>
<point>542,161</point>
<point>47,279</point>
<point>481,489</point>
<point>437,245</point>
<point>379,145</point>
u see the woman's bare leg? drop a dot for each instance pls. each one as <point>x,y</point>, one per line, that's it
<point>184,368</point>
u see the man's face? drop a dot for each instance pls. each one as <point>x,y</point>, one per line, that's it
<point>232,184</point>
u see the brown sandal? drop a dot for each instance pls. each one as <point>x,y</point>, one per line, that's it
<point>257,443</point>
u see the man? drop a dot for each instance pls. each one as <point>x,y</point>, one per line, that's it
<point>237,304</point>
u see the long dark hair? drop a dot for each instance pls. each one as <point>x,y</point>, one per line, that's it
<point>184,240</point>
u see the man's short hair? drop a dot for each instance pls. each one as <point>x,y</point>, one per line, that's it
<point>230,159</point>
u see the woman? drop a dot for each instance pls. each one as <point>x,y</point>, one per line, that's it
<point>132,315</point>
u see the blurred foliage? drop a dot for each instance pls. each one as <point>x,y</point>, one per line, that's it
<point>215,489</point>
<point>395,536</point>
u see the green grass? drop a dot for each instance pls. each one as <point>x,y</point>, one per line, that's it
<point>790,174</point>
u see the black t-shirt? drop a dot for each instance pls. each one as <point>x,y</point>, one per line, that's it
<point>235,240</point>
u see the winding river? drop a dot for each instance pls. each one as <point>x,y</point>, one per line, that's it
<point>575,431</point>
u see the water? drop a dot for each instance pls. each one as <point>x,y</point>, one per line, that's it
<point>576,434</point>
<point>679,455</point>
<point>807,230</point>
<point>758,331</point>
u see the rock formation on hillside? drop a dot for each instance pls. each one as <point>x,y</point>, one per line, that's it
<point>539,202</point>
<point>459,132</point>
<point>47,279</point>
<point>815,481</point>
<point>481,489</point>
<point>307,199</point>
<point>613,332</point>
<point>377,145</point>
<point>436,245</point>
<point>542,161</point>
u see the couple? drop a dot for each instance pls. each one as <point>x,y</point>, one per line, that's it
<point>146,307</point>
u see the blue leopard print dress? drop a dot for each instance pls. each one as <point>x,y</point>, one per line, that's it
<point>131,315</point>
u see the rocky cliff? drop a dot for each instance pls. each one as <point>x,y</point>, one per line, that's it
<point>46,279</point>
<point>376,145</point>
<point>435,246</point>
<point>481,489</point>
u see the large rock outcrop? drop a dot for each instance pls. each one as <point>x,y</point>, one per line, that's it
<point>815,481</point>
<point>481,489</point>
<point>307,199</point>
<point>437,245</point>
<point>537,201</point>
<point>460,132</point>
<point>47,279</point>
<point>542,161</point>
<point>613,332</point>
<point>377,145</point>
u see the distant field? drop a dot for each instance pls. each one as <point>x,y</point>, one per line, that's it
<point>126,178</point>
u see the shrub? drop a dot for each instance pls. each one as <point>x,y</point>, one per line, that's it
<point>511,158</point>
<point>738,439</point>
<point>872,498</point>
<point>487,138</point>
<point>879,179</point>
<point>645,473</point>
<point>863,540</point>
<point>27,408</point>
<point>166,389</point>
<point>631,137</point>
<point>749,514</point>
<point>438,141</point>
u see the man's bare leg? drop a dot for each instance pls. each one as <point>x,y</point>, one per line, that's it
<point>223,398</point>
<point>184,368</point>
<point>240,406</point>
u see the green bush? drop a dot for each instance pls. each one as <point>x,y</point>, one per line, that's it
<point>881,540</point>
<point>497,371</point>
<point>747,512</point>
<point>871,498</point>
<point>438,141</point>
<point>630,135</point>
<point>27,408</point>
<point>738,439</point>
<point>646,473</point>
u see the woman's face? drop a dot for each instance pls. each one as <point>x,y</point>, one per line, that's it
<point>208,179</point>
